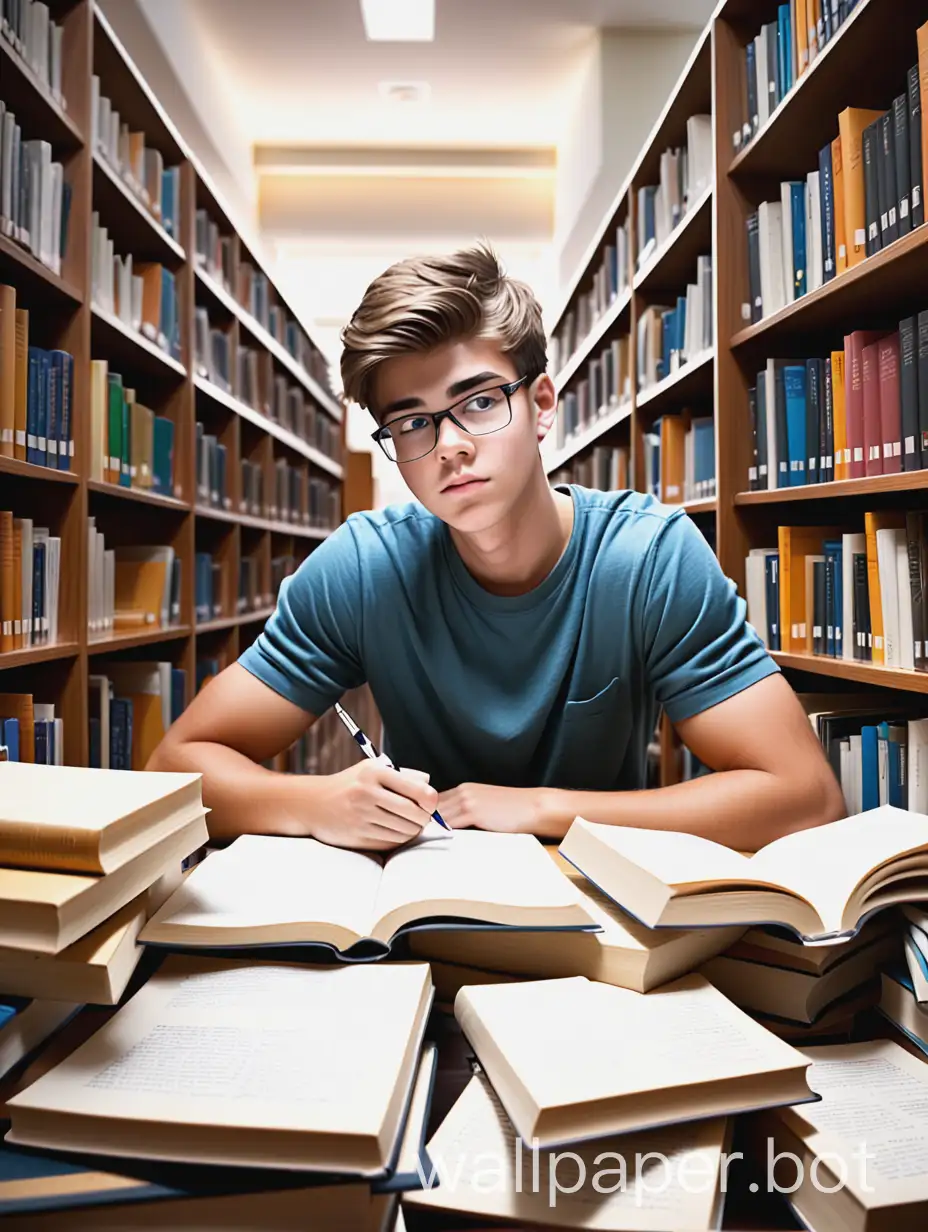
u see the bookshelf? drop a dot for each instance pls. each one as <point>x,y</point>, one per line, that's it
<point>874,294</point>
<point>276,415</point>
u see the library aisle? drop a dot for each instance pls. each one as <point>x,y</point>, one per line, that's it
<point>721,205</point>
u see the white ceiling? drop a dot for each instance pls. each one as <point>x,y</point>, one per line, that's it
<point>500,71</point>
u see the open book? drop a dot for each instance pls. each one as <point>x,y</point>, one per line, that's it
<point>75,819</point>
<point>572,1059</point>
<point>243,1064</point>
<point>822,883</point>
<point>264,890</point>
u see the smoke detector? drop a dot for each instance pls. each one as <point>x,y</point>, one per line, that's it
<point>405,91</point>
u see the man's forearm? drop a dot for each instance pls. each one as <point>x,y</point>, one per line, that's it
<point>243,797</point>
<point>743,809</point>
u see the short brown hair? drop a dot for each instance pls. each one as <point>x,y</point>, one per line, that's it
<point>423,302</point>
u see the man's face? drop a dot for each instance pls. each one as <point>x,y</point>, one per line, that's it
<point>469,481</point>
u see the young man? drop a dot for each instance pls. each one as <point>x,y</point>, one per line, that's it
<point>519,641</point>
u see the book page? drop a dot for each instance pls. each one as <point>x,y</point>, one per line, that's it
<point>261,881</point>
<point>473,867</point>
<point>682,1034</point>
<point>481,1167</point>
<point>674,858</point>
<point>246,1044</point>
<point>824,864</point>
<point>873,1119</point>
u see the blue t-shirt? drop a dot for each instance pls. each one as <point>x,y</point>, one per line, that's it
<point>558,687</point>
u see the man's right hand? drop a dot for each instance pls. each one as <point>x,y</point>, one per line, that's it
<point>369,806</point>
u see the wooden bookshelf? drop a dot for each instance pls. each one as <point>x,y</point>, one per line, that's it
<point>876,293</point>
<point>63,315</point>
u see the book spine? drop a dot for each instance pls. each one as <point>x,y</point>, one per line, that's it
<point>870,146</point>
<point>908,392</point>
<point>890,405</point>
<point>888,179</point>
<point>756,303</point>
<point>900,116</point>
<point>913,535</point>
<point>827,208</point>
<point>872,423</point>
<point>827,463</point>
<point>923,387</point>
<point>915,147</point>
<point>813,418</point>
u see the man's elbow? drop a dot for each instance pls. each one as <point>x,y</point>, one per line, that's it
<point>819,798</point>
<point>168,755</point>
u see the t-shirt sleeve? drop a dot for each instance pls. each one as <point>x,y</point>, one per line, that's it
<point>698,647</point>
<point>308,651</point>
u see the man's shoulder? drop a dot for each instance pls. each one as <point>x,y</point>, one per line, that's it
<point>622,518</point>
<point>404,522</point>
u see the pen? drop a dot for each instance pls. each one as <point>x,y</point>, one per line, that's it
<point>369,751</point>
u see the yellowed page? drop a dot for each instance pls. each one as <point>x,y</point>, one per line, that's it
<point>872,1121</point>
<point>480,1167</point>
<point>248,1045</point>
<point>678,1036</point>
<point>825,864</point>
<point>262,882</point>
<point>477,866</point>
<point>674,858</point>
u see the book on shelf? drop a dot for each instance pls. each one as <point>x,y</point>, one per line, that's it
<point>35,194</point>
<point>209,587</point>
<point>30,731</point>
<point>130,445</point>
<point>623,953</point>
<point>95,969</point>
<point>776,58</point>
<point>685,172</point>
<point>822,883</point>
<point>610,281</point>
<point>357,903</point>
<point>137,165</point>
<point>26,1023</point>
<point>140,294</point>
<point>605,467</point>
<point>679,458</point>
<point>335,1087</point>
<point>855,1151</point>
<point>670,336</point>
<point>214,250</point>
<point>36,391</point>
<point>731,1064</point>
<point>476,1130</point>
<point>30,582</point>
<point>213,351</point>
<point>30,29</point>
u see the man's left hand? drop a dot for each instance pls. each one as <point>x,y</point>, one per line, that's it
<point>509,810</point>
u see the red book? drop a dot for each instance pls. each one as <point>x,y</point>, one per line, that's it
<point>873,426</point>
<point>890,405</point>
<point>854,399</point>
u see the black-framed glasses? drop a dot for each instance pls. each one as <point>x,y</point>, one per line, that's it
<point>410,437</point>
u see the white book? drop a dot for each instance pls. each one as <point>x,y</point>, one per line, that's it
<point>6,172</point>
<point>770,234</point>
<point>100,685</point>
<point>918,765</point>
<point>906,633</point>
<point>95,104</point>
<point>756,590</point>
<point>889,594</point>
<point>850,544</point>
<point>56,41</point>
<point>765,100</point>
<point>786,219</point>
<point>855,801</point>
<point>26,528</point>
<point>57,193</point>
<point>52,586</point>
<point>814,273</point>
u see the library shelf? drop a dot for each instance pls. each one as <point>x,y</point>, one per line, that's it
<point>692,378</point>
<point>136,229</point>
<point>589,436</point>
<point>42,474</point>
<point>123,345</point>
<point>22,269</point>
<point>614,314</point>
<point>668,268</point>
<point>805,119</point>
<point>130,639</point>
<point>852,669</point>
<point>118,492</point>
<point>284,435</point>
<point>29,655</point>
<point>898,274</point>
<point>705,504</point>
<point>232,622</point>
<point>298,529</point>
<point>268,341</point>
<point>27,96</point>
<point>871,485</point>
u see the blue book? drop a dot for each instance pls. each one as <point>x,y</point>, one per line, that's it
<point>870,769</point>
<point>9,735</point>
<point>62,366</point>
<point>178,692</point>
<point>772,588</point>
<point>33,395</point>
<point>797,209</point>
<point>794,390</point>
<point>827,211</point>
<point>42,749</point>
<point>833,551</point>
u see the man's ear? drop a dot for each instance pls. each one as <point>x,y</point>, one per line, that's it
<point>544,399</point>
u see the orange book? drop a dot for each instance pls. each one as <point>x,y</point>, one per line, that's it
<point>151,299</point>
<point>872,523</point>
<point>17,584</point>
<point>7,583</point>
<point>794,544</point>
<point>851,124</point>
<point>842,455</point>
<point>922,44</point>
<point>837,181</point>
<point>7,369</point>
<point>801,35</point>
<point>814,18</point>
<point>673,457</point>
<point>19,706</point>
<point>139,591</point>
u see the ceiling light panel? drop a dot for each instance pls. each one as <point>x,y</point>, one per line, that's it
<point>399,21</point>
